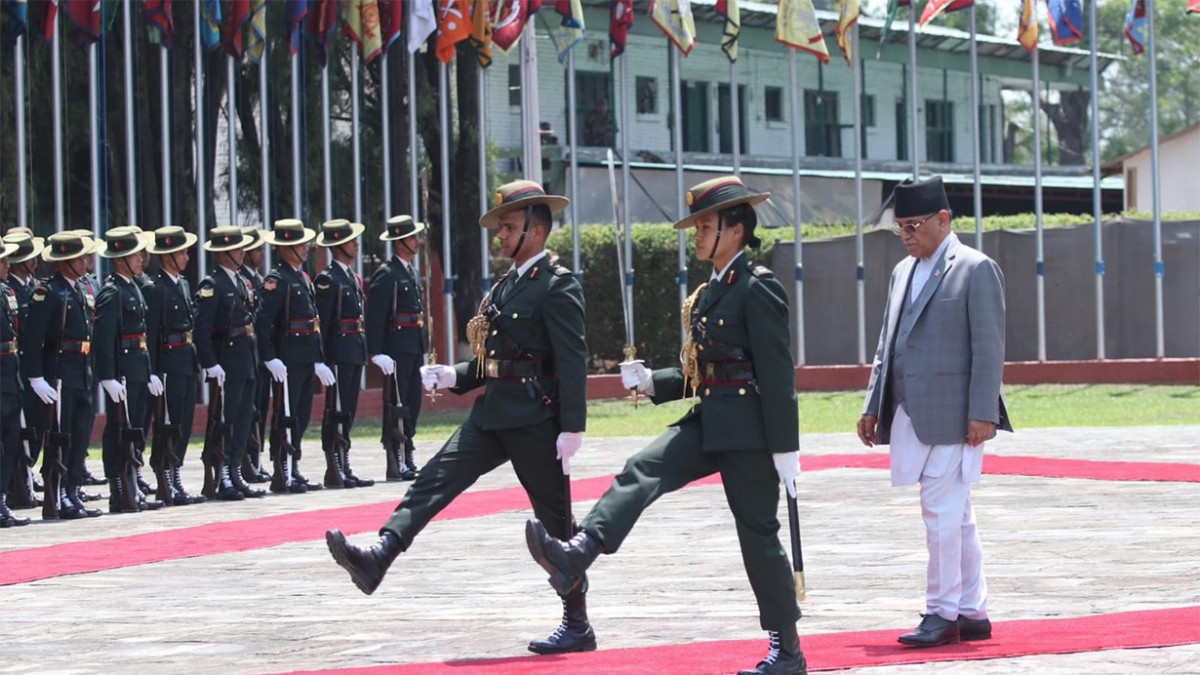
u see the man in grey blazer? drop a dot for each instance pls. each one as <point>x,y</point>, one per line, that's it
<point>935,397</point>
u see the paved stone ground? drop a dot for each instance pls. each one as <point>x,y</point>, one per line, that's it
<point>1054,548</point>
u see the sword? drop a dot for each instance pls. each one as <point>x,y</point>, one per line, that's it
<point>797,554</point>
<point>427,278</point>
<point>630,349</point>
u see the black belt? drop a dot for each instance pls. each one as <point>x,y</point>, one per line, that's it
<point>407,320</point>
<point>350,326</point>
<point>7,348</point>
<point>240,331</point>
<point>75,347</point>
<point>728,372</point>
<point>136,341</point>
<point>510,368</point>
<point>180,339</point>
<point>304,326</point>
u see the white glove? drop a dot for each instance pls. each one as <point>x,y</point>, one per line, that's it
<point>116,390</point>
<point>634,374</point>
<point>386,363</point>
<point>787,465</point>
<point>216,373</point>
<point>155,386</point>
<point>43,390</point>
<point>324,374</point>
<point>277,369</point>
<point>442,377</point>
<point>567,445</point>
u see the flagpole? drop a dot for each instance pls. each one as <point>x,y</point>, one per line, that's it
<point>1155,187</point>
<point>860,270</point>
<point>447,267</point>
<point>1096,205</point>
<point>297,167</point>
<point>56,88</point>
<point>626,214</point>
<point>22,178</point>
<point>94,146</point>
<point>385,127</point>
<point>164,83</point>
<point>231,141</point>
<point>572,148</point>
<point>532,107</point>
<point>201,163</point>
<point>912,88</point>
<point>794,100</point>
<point>735,117</point>
<point>264,143</point>
<point>677,133</point>
<point>130,152</point>
<point>326,178</point>
<point>412,140</point>
<point>975,133</point>
<point>1037,204</point>
<point>356,137</point>
<point>485,256</point>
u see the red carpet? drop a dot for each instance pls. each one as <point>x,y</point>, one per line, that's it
<point>243,535</point>
<point>837,651</point>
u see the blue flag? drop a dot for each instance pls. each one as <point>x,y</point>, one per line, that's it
<point>1066,21</point>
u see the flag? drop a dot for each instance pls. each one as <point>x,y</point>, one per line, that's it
<point>893,7</point>
<point>619,22</point>
<point>362,26</point>
<point>934,8</point>
<point>322,21</point>
<point>423,23</point>
<point>49,18</point>
<point>391,17</point>
<point>570,32</point>
<point>454,26</point>
<point>18,12</point>
<point>728,9</point>
<point>847,17</point>
<point>674,19</point>
<point>85,15</point>
<point>1066,21</point>
<point>161,26</point>
<point>481,32</point>
<point>798,27</point>
<point>1193,7</point>
<point>239,14</point>
<point>509,20</point>
<point>256,37</point>
<point>297,12</point>
<point>210,24</point>
<point>1135,26</point>
<point>1027,31</point>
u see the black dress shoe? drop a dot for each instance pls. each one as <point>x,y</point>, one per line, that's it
<point>933,632</point>
<point>974,629</point>
<point>365,565</point>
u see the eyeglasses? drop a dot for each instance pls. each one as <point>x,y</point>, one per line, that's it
<point>911,228</point>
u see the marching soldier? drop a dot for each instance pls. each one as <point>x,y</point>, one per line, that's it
<point>227,348</point>
<point>340,304</point>
<point>531,359</point>
<point>56,343</point>
<point>290,330</point>
<point>22,279</point>
<point>10,390</point>
<point>396,336</point>
<point>169,326</point>
<point>252,467</point>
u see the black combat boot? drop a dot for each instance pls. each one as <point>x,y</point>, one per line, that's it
<point>182,496</point>
<point>299,479</point>
<point>783,655</point>
<point>409,470</point>
<point>365,565</point>
<point>351,477</point>
<point>239,482</point>
<point>565,561</point>
<point>225,489</point>
<point>574,634</point>
<point>120,500</point>
<point>8,518</point>
<point>76,504</point>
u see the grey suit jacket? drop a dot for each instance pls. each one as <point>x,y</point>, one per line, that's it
<point>953,337</point>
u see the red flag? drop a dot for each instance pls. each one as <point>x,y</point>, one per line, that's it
<point>85,14</point>
<point>454,26</point>
<point>158,14</point>
<point>935,7</point>
<point>297,12</point>
<point>511,16</point>
<point>1193,6</point>
<point>619,23</point>
<point>322,20</point>
<point>391,17</point>
<point>49,16</point>
<point>239,13</point>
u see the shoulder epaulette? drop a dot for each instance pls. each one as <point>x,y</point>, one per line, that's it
<point>761,271</point>
<point>560,271</point>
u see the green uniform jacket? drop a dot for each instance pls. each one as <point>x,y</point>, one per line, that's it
<point>119,342</point>
<point>537,316</point>
<point>744,315</point>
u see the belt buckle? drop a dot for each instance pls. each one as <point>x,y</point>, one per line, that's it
<point>709,371</point>
<point>85,347</point>
<point>142,343</point>
<point>491,368</point>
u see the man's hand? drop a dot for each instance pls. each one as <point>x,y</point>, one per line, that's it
<point>979,431</point>
<point>567,445</point>
<point>866,429</point>
<point>277,369</point>
<point>216,373</point>
<point>155,386</point>
<point>634,374</point>
<point>437,375</point>
<point>324,374</point>
<point>43,390</point>
<point>386,364</point>
<point>787,465</point>
<point>115,390</point>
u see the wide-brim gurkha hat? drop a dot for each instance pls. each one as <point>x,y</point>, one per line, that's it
<point>69,245</point>
<point>289,232</point>
<point>520,194</point>
<point>28,246</point>
<point>401,227</point>
<point>6,249</point>
<point>171,239</point>
<point>122,241</point>
<point>716,195</point>
<point>226,238</point>
<point>256,237</point>
<point>338,231</point>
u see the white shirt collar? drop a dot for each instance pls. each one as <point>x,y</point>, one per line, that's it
<point>527,264</point>
<point>233,274</point>
<point>717,276</point>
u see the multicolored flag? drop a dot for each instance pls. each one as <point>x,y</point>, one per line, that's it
<point>297,13</point>
<point>322,23</point>
<point>509,20</point>
<point>798,27</point>
<point>256,36</point>
<point>728,10</point>
<point>935,8</point>
<point>162,24</point>
<point>1135,26</point>
<point>847,17</point>
<point>481,32</point>
<point>362,26</point>
<point>391,18</point>
<point>239,14</point>
<point>210,24</point>
<point>674,19</point>
<point>454,26</point>
<point>1066,21</point>
<point>86,17</point>
<point>570,32</point>
<point>18,13</point>
<point>620,20</point>
<point>571,19</point>
<point>1027,31</point>
<point>423,23</point>
<point>48,19</point>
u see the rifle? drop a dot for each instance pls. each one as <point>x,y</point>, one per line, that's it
<point>22,488</point>
<point>394,438</point>
<point>162,451</point>
<point>334,441</point>
<point>56,448</point>
<point>216,436</point>
<point>283,436</point>
<point>129,440</point>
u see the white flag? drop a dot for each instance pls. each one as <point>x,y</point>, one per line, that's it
<point>422,23</point>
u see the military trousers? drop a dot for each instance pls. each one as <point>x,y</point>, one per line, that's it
<point>408,378</point>
<point>239,413</point>
<point>751,484</point>
<point>10,436</point>
<point>116,458</point>
<point>179,392</point>
<point>77,412</point>
<point>35,418</point>
<point>301,384</point>
<point>349,384</point>
<point>472,452</point>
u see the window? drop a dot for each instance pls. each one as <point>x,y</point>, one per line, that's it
<point>647,95</point>
<point>773,104</point>
<point>514,85</point>
<point>901,129</point>
<point>939,131</point>
<point>868,110</point>
<point>822,133</point>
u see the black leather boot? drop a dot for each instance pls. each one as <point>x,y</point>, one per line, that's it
<point>182,496</point>
<point>365,565</point>
<point>225,489</point>
<point>565,561</point>
<point>783,655</point>
<point>7,518</point>
<point>120,499</point>
<point>239,482</point>
<point>299,479</point>
<point>351,477</point>
<point>574,634</point>
<point>76,504</point>
<point>409,470</point>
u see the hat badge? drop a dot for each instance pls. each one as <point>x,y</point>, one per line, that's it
<point>499,198</point>
<point>691,198</point>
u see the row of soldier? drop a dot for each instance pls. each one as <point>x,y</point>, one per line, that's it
<point>150,344</point>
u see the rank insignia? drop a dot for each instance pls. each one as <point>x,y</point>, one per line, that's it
<point>270,284</point>
<point>39,294</point>
<point>206,291</point>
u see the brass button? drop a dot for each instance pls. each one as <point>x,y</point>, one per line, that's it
<point>524,380</point>
<point>742,392</point>
<point>720,322</point>
<point>492,352</point>
<point>704,319</point>
<point>707,391</point>
<point>700,347</point>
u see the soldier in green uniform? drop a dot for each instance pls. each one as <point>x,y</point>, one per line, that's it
<point>252,468</point>
<point>531,358</point>
<point>10,391</point>
<point>22,279</point>
<point>340,304</point>
<point>290,329</point>
<point>91,286</point>
<point>396,333</point>
<point>737,359</point>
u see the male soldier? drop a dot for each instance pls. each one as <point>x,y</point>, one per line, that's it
<point>90,284</point>
<point>252,468</point>
<point>531,357</point>
<point>123,366</point>
<point>22,279</point>
<point>228,353</point>
<point>169,324</point>
<point>340,302</point>
<point>396,336</point>
<point>23,262</point>
<point>10,391</point>
<point>291,331</point>
<point>56,343</point>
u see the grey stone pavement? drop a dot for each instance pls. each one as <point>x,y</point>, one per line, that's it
<point>467,589</point>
